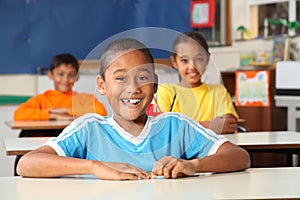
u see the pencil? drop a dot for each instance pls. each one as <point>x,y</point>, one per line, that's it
<point>173,101</point>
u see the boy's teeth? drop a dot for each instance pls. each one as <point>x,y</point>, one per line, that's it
<point>132,101</point>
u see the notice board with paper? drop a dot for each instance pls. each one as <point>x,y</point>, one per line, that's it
<point>252,88</point>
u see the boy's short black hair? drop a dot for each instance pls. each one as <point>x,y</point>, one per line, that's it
<point>119,46</point>
<point>64,58</point>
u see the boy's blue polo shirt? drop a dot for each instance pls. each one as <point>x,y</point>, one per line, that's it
<point>170,134</point>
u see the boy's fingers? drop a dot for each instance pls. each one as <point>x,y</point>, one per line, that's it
<point>121,176</point>
<point>144,175</point>
<point>167,172</point>
<point>127,176</point>
<point>141,173</point>
<point>174,173</point>
<point>158,168</point>
<point>157,172</point>
<point>177,171</point>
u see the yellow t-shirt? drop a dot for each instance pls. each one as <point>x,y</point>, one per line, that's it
<point>202,103</point>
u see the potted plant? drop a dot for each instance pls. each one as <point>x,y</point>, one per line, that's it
<point>274,24</point>
<point>294,25</point>
<point>242,29</point>
<point>284,24</point>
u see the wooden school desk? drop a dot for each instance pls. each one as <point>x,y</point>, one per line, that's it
<point>254,183</point>
<point>20,146</point>
<point>38,125</point>
<point>287,142</point>
<point>293,114</point>
<point>45,128</point>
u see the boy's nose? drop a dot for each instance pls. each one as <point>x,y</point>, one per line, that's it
<point>133,87</point>
<point>67,78</point>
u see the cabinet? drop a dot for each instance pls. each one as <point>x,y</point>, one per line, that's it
<point>270,118</point>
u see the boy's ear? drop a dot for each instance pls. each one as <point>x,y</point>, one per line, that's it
<point>101,85</point>
<point>77,77</point>
<point>50,75</point>
<point>173,61</point>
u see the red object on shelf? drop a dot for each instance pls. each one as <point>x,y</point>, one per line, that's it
<point>202,13</point>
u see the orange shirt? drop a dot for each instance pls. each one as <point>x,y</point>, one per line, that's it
<point>37,108</point>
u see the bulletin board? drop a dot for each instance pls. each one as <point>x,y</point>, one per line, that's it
<point>202,13</point>
<point>33,31</point>
<point>252,88</point>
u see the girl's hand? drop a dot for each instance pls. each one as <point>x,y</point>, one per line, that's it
<point>118,171</point>
<point>171,167</point>
<point>225,124</point>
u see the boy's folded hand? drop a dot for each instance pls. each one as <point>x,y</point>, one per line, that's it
<point>60,110</point>
<point>171,167</point>
<point>119,171</point>
<point>60,114</point>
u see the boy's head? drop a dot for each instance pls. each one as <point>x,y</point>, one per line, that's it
<point>190,57</point>
<point>128,79</point>
<point>64,72</point>
<point>119,47</point>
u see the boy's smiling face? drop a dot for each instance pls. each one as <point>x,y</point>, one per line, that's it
<point>129,85</point>
<point>64,77</point>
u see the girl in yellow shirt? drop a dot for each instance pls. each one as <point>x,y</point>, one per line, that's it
<point>209,104</point>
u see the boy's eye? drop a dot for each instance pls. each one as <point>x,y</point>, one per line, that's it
<point>121,78</point>
<point>72,76</point>
<point>184,60</point>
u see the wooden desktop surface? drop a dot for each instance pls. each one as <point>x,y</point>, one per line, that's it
<point>254,141</point>
<point>20,146</point>
<point>266,140</point>
<point>254,183</point>
<point>269,149</point>
<point>38,125</point>
<point>292,103</point>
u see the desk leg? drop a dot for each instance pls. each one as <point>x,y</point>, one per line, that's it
<point>295,159</point>
<point>293,115</point>
<point>292,118</point>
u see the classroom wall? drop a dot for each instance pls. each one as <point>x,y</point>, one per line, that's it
<point>42,30</point>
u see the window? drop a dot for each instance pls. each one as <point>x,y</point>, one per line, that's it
<point>220,34</point>
<point>267,17</point>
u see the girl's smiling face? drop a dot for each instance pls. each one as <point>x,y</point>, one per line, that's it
<point>129,85</point>
<point>190,60</point>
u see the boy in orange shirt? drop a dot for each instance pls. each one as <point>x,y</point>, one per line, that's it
<point>62,103</point>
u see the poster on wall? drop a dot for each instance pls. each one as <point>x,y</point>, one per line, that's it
<point>202,13</point>
<point>252,88</point>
